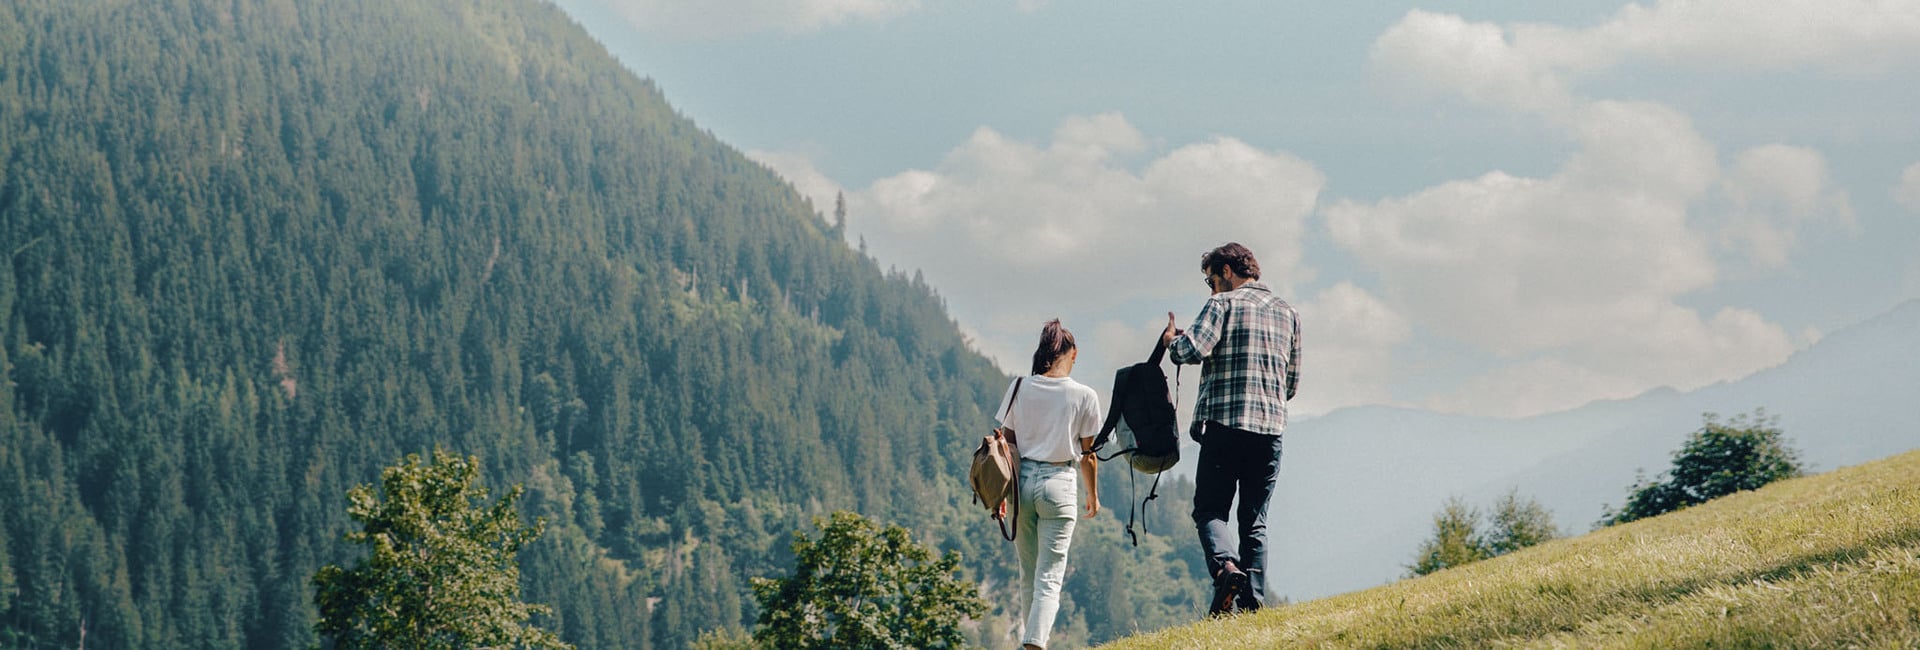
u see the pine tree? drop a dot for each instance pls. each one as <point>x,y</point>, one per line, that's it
<point>839,215</point>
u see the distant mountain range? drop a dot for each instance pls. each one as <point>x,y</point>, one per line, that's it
<point>1358,487</point>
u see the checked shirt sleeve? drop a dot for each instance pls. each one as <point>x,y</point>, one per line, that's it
<point>1194,346</point>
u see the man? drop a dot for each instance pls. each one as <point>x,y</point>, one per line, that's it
<point>1247,342</point>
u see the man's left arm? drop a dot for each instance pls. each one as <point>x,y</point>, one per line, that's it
<point>1293,356</point>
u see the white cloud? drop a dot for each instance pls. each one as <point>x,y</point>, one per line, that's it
<point>1516,265</point>
<point>733,18</point>
<point>1068,215</point>
<point>1443,54</point>
<point>1641,148</point>
<point>1844,36</point>
<point>799,170</point>
<point>1531,67</point>
<point>1575,277</point>
<point>1681,350</point>
<point>1347,337</point>
<point>1772,191</point>
<point>1908,191</point>
<point>1014,233</point>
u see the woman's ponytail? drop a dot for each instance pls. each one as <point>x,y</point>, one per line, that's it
<point>1055,341</point>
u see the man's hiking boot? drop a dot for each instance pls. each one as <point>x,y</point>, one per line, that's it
<point>1228,585</point>
<point>1247,603</point>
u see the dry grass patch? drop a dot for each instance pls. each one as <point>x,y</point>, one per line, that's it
<point>1824,561</point>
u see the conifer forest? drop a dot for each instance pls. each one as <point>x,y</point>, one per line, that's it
<point>256,250</point>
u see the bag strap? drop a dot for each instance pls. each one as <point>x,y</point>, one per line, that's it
<point>1159,348</point>
<point>1014,498</point>
<point>1133,490</point>
<point>1114,409</point>
<point>1014,446</point>
<point>1152,493</point>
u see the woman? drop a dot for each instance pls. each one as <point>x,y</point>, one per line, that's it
<point>1054,419</point>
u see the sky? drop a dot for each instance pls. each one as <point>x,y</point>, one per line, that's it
<point>1495,208</point>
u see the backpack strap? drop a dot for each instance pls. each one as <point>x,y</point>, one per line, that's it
<point>1159,348</point>
<point>1151,495</point>
<point>1133,490</point>
<point>1114,409</point>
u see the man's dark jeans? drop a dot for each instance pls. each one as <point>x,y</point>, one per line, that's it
<point>1234,460</point>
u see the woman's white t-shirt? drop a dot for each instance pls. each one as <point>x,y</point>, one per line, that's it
<point>1049,414</point>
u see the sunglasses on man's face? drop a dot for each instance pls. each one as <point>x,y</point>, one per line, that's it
<point>1209,281</point>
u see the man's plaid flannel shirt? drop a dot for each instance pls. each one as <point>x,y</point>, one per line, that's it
<point>1249,370</point>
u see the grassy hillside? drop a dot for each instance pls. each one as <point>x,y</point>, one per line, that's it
<point>1824,561</point>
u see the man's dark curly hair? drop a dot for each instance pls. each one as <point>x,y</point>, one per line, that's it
<point>1231,255</point>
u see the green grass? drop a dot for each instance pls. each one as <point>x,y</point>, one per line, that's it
<point>1824,561</point>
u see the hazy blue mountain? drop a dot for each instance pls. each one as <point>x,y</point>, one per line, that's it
<point>1358,487</point>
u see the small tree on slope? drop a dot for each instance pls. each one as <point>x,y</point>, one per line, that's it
<point>1515,523</point>
<point>859,586</point>
<point>440,570</point>
<point>1719,459</point>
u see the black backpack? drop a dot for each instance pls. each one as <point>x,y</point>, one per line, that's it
<point>1142,411</point>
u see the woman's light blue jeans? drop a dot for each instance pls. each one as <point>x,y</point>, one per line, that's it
<point>1049,495</point>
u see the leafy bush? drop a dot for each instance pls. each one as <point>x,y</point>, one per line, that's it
<point>440,570</point>
<point>860,586</point>
<point>1719,459</point>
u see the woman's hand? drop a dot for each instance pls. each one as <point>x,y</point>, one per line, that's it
<point>1090,477</point>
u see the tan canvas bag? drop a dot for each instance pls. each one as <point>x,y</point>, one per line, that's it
<point>996,472</point>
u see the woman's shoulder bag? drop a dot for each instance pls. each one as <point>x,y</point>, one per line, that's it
<point>996,472</point>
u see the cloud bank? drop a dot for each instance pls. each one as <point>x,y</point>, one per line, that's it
<point>1577,280</point>
<point>1014,233</point>
<point>1580,283</point>
<point>1532,67</point>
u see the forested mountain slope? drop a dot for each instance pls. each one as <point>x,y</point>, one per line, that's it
<point>258,249</point>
